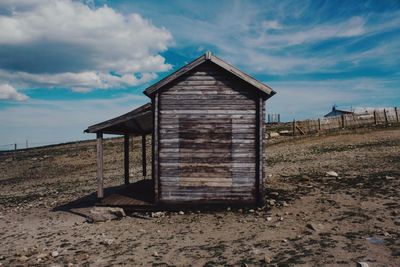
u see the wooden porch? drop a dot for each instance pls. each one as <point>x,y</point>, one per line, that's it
<point>136,196</point>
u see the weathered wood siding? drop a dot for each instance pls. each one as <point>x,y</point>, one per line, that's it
<point>207,138</point>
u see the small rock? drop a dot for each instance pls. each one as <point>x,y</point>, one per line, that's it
<point>386,234</point>
<point>332,174</point>
<point>269,219</point>
<point>314,227</point>
<point>273,134</point>
<point>267,259</point>
<point>103,214</point>
<point>157,214</point>
<point>362,264</point>
<point>23,258</point>
<point>155,254</point>
<point>181,213</point>
<point>251,211</point>
<point>389,177</point>
<point>285,132</point>
<point>54,254</point>
<point>42,255</point>
<point>228,209</point>
<point>285,204</point>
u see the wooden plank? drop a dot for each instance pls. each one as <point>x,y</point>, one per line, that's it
<point>155,146</point>
<point>209,102</point>
<point>205,97</point>
<point>126,159</point>
<point>144,171</point>
<point>99,152</point>
<point>183,106</point>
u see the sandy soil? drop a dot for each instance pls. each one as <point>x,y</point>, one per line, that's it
<point>309,220</point>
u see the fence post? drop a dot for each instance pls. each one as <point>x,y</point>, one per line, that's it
<point>294,127</point>
<point>342,117</point>
<point>386,119</point>
<point>397,114</point>
<point>26,143</point>
<point>319,124</point>
<point>15,152</point>
<point>375,119</point>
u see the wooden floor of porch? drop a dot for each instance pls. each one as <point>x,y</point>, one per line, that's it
<point>138,195</point>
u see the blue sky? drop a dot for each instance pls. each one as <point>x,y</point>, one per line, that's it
<point>66,64</point>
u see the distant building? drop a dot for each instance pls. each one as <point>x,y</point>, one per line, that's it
<point>337,112</point>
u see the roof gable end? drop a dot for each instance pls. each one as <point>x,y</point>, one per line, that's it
<point>208,56</point>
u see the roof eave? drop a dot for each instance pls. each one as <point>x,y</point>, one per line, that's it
<point>268,91</point>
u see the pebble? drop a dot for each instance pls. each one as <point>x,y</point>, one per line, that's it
<point>332,174</point>
<point>362,264</point>
<point>269,219</point>
<point>181,213</point>
<point>54,253</point>
<point>23,258</point>
<point>267,259</point>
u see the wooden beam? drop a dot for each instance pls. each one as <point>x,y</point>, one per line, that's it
<point>126,158</point>
<point>144,171</point>
<point>155,175</point>
<point>99,148</point>
<point>397,114</point>
<point>260,152</point>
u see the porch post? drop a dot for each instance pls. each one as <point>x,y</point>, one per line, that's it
<point>126,158</point>
<point>99,147</point>
<point>144,155</point>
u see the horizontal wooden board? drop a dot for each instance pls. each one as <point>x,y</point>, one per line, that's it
<point>209,147</point>
<point>208,102</point>
<point>208,150</point>
<point>211,97</point>
<point>211,159</point>
<point>183,106</point>
<point>189,111</point>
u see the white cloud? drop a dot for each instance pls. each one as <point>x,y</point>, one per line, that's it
<point>64,43</point>
<point>271,25</point>
<point>7,92</point>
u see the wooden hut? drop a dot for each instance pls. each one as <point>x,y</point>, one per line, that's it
<point>207,134</point>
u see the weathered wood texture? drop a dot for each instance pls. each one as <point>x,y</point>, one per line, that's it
<point>207,147</point>
<point>144,171</point>
<point>126,158</point>
<point>99,151</point>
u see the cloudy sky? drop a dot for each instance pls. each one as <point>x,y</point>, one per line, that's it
<point>68,64</point>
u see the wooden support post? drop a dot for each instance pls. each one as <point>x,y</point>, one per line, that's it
<point>154,173</point>
<point>294,127</point>
<point>144,171</point>
<point>99,148</point>
<point>15,152</point>
<point>386,119</point>
<point>126,158</point>
<point>319,124</point>
<point>342,117</point>
<point>397,114</point>
<point>375,118</point>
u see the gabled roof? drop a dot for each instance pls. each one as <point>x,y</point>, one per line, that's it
<point>137,121</point>
<point>210,57</point>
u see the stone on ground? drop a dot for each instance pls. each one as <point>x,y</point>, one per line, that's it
<point>103,214</point>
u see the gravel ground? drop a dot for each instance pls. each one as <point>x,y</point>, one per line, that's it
<point>310,219</point>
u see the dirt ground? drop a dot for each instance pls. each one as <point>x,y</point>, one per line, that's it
<point>310,219</point>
